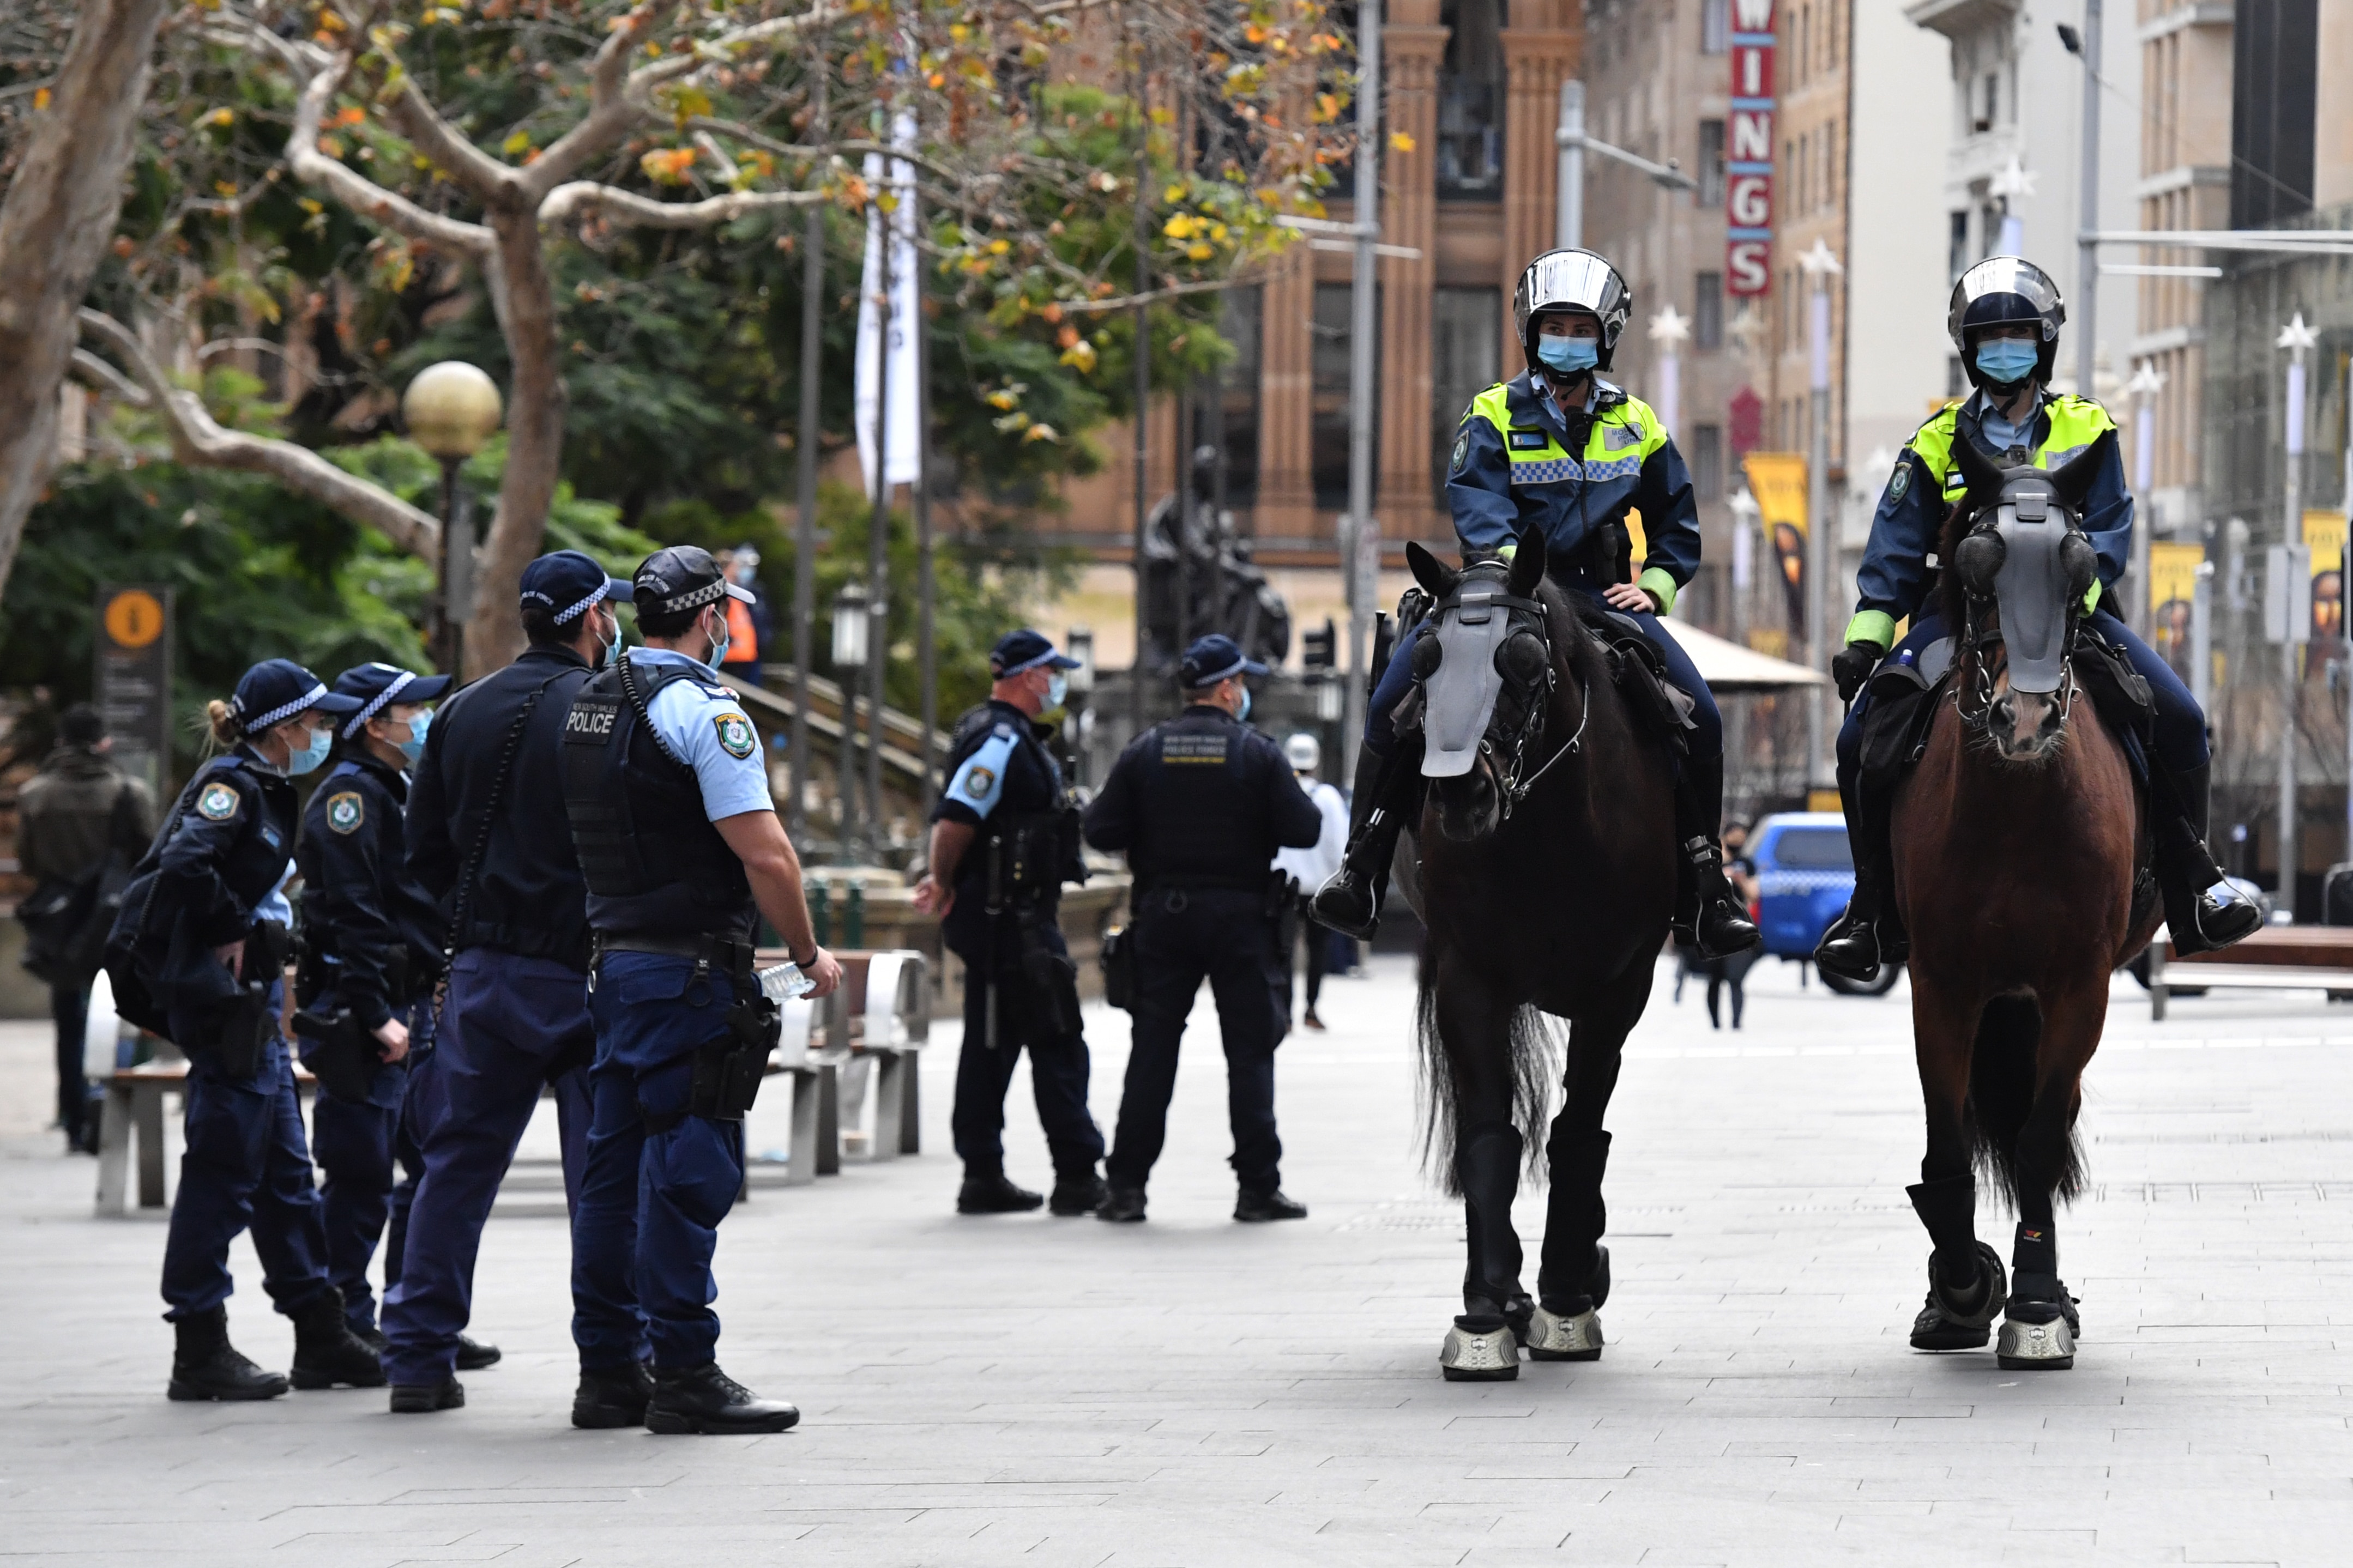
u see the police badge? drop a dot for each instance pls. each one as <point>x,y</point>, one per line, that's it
<point>217,804</point>
<point>735,735</point>
<point>1901,481</point>
<point>345,811</point>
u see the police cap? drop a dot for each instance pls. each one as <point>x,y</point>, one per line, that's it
<point>379,685</point>
<point>1213,658</point>
<point>276,689</point>
<point>569,584</point>
<point>681,578</point>
<point>1025,650</point>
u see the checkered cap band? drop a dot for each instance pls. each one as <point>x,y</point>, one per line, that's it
<point>692,599</point>
<point>378,704</point>
<point>285,710</point>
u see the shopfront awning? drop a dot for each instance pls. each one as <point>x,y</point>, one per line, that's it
<point>1732,670</point>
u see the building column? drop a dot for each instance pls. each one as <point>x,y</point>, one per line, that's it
<point>1411,56</point>
<point>1286,480</point>
<point>1542,49</point>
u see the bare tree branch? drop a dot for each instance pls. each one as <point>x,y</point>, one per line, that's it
<point>476,172</point>
<point>103,377</point>
<point>614,110</point>
<point>199,441</point>
<point>362,196</point>
<point>625,207</point>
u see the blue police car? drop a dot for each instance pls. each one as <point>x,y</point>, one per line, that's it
<point>1805,874</point>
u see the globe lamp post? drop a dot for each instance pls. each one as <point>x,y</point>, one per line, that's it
<point>451,408</point>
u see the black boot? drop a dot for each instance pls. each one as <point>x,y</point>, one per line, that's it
<point>612,1396</point>
<point>989,1192</point>
<point>705,1399</point>
<point>327,1353</point>
<point>1386,788</point>
<point>1708,909</point>
<point>1075,1196</point>
<point>1257,1207</point>
<point>205,1365</point>
<point>473,1355</point>
<point>1867,935</point>
<point>2197,920</point>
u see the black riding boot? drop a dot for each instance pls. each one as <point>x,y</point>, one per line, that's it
<point>1707,908</point>
<point>1350,902</point>
<point>206,1366</point>
<point>1868,934</point>
<point>2199,922</point>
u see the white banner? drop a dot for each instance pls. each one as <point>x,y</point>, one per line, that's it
<point>903,455</point>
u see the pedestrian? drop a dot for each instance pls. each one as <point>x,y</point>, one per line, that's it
<point>198,956</point>
<point>80,825</point>
<point>1200,804</point>
<point>488,843</point>
<point>1731,973</point>
<point>682,852</point>
<point>370,956</point>
<point>749,624</point>
<point>1005,837</point>
<point>1308,870</point>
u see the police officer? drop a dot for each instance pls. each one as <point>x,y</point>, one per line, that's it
<point>1003,839</point>
<point>1560,449</point>
<point>680,845</point>
<point>198,954</point>
<point>371,952</point>
<point>1200,804</point>
<point>487,841</point>
<point>2004,321</point>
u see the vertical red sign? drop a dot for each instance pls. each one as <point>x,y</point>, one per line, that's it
<point>1749,152</point>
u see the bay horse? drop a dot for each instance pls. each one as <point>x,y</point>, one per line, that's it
<point>1545,876</point>
<point>2016,842</point>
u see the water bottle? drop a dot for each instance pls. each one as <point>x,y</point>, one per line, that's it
<point>783,982</point>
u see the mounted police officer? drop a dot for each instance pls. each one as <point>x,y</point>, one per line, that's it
<point>1200,804</point>
<point>198,956</point>
<point>370,957</point>
<point>2004,322</point>
<point>487,843</point>
<point>668,795</point>
<point>1005,837</point>
<point>1570,453</point>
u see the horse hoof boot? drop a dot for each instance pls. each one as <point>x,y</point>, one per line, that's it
<point>1573,1338</point>
<point>1479,1350</point>
<point>1956,1322</point>
<point>2036,1347</point>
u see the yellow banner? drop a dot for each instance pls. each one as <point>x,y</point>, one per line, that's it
<point>1777,481</point>
<point>2173,572</point>
<point>2323,535</point>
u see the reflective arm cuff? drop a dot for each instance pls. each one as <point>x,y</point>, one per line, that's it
<point>1659,585</point>
<point>1876,627</point>
<point>2091,597</point>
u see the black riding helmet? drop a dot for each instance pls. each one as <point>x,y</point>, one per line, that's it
<point>1997,291</point>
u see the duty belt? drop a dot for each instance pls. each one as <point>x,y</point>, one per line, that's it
<point>724,954</point>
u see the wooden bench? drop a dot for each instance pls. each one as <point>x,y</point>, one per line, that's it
<point>2276,958</point>
<point>133,1108</point>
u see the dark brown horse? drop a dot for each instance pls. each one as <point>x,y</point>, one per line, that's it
<point>1546,876</point>
<point>2016,842</point>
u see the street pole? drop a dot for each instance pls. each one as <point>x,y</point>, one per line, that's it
<point>2146,383</point>
<point>456,566</point>
<point>926,581</point>
<point>2087,249</point>
<point>878,558</point>
<point>2296,338</point>
<point>1569,138</point>
<point>1821,550</point>
<point>805,526</point>
<point>1362,548</point>
<point>1143,391</point>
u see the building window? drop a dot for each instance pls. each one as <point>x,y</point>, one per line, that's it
<point>1471,102</point>
<point>1707,462</point>
<point>1711,164</point>
<point>1328,393</point>
<point>1237,410</point>
<point>1714,27</point>
<point>1956,381</point>
<point>1462,364</point>
<point>1707,311</point>
<point>1957,250</point>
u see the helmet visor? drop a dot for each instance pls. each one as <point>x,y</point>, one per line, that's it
<point>1570,279</point>
<point>2005,289</point>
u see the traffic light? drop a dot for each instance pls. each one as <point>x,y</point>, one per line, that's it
<point>1316,648</point>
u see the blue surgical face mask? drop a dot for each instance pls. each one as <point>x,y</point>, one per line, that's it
<point>311,756</point>
<point>719,644</point>
<point>1241,714</point>
<point>613,648</point>
<point>2006,360</point>
<point>1057,687</point>
<point>1569,355</point>
<point>413,748</point>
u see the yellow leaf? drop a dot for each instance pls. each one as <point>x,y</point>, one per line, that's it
<point>1173,194</point>
<point>1198,251</point>
<point>224,187</point>
<point>1400,141</point>
<point>514,145</point>
<point>40,99</point>
<point>221,117</point>
<point>1179,226</point>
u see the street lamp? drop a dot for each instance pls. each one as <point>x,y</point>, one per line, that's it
<point>1572,144</point>
<point>1669,328</point>
<point>2297,339</point>
<point>1078,643</point>
<point>1819,266</point>
<point>451,408</point>
<point>849,633</point>
<point>2010,186</point>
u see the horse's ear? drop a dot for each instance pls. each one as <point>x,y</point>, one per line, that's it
<point>1435,576</point>
<point>1528,562</point>
<point>2073,480</point>
<point>1978,472</point>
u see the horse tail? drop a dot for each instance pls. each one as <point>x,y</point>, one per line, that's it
<point>1535,1052</point>
<point>2001,1095</point>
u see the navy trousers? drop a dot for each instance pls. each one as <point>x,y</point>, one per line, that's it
<point>69,1008</point>
<point>1706,737</point>
<point>1182,936</point>
<point>1059,1068</point>
<point>652,1014</point>
<point>245,1166</point>
<point>359,1147</point>
<point>509,1025</point>
<point>2180,728</point>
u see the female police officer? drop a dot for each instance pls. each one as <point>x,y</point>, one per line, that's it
<point>196,954</point>
<point>371,954</point>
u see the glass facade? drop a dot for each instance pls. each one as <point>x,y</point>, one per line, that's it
<point>1462,364</point>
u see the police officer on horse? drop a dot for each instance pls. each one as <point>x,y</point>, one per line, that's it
<point>2004,321</point>
<point>1560,449</point>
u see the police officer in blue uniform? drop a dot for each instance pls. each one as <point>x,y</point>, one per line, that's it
<point>1560,449</point>
<point>370,955</point>
<point>682,852</point>
<point>487,842</point>
<point>1005,837</point>
<point>1200,804</point>
<point>197,955</point>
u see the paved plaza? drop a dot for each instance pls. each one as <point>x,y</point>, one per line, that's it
<point>1192,1392</point>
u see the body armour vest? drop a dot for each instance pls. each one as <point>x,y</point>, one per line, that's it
<point>654,864</point>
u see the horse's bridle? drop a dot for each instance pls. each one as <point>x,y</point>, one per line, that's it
<point>1975,640</point>
<point>1513,788</point>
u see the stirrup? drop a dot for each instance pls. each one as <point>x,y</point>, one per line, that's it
<point>1851,949</point>
<point>2216,925</point>
<point>1347,904</point>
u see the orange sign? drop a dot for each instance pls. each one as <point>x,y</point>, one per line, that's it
<point>133,618</point>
